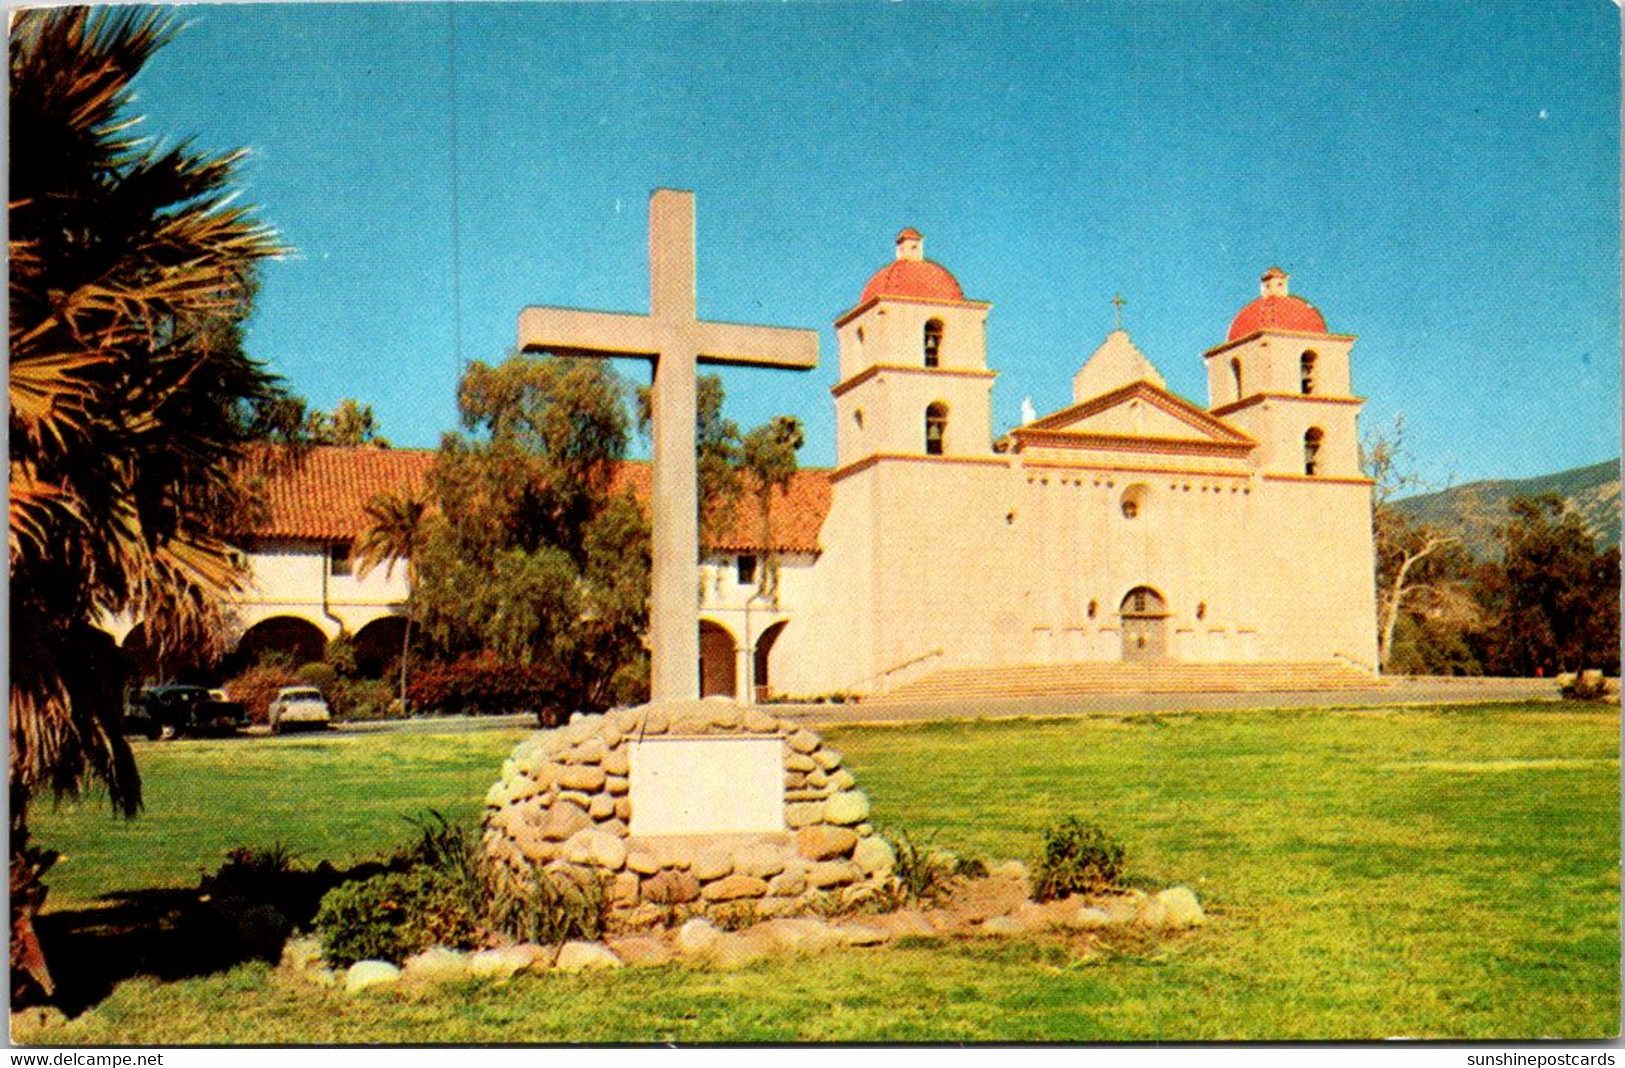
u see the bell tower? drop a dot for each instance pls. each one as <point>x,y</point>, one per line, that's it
<point>913,365</point>
<point>1283,378</point>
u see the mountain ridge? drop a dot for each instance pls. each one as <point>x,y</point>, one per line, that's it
<point>1474,510</point>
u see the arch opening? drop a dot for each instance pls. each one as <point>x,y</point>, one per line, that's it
<point>718,672</point>
<point>1313,439</point>
<point>1306,371</point>
<point>763,659</point>
<point>936,428</point>
<point>933,342</point>
<point>378,644</point>
<point>300,640</point>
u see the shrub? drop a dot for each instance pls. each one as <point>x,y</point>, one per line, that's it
<point>248,870</point>
<point>549,909</point>
<point>317,674</point>
<point>363,699</point>
<point>1585,686</point>
<point>482,685</point>
<point>922,872</point>
<point>256,899</point>
<point>1077,857</point>
<point>453,850</point>
<point>256,686</point>
<point>340,654</point>
<point>394,915</point>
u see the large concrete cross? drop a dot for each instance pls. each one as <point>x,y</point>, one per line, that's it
<point>674,340</point>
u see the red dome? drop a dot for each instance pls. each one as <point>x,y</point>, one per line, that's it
<point>912,279</point>
<point>1281,312</point>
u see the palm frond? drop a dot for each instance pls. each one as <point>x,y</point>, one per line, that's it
<point>37,509</point>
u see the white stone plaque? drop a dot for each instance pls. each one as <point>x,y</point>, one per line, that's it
<point>707,785</point>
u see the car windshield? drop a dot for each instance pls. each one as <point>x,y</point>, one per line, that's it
<point>301,695</point>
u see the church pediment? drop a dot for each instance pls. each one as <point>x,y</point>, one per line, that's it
<point>1139,413</point>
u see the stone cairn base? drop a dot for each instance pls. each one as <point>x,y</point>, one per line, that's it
<point>563,807</point>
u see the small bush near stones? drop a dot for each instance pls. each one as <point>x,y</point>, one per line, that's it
<point>1077,858</point>
<point>922,872</point>
<point>394,915</point>
<point>549,910</point>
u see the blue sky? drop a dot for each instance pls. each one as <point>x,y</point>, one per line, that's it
<point>1441,179</point>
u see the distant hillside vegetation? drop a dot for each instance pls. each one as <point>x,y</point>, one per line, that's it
<point>1477,508</point>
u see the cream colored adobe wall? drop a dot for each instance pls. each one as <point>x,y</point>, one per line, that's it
<point>290,579</point>
<point>1271,363</point>
<point>727,601</point>
<point>893,332</point>
<point>1112,459</point>
<point>886,414</point>
<point>829,641</point>
<point>1279,424</point>
<point>1081,548</point>
<point>284,573</point>
<point>1314,572</point>
<point>915,576</point>
<point>946,552</point>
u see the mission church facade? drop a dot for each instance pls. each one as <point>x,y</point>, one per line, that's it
<point>1133,525</point>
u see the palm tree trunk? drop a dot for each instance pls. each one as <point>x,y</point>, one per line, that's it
<point>406,645</point>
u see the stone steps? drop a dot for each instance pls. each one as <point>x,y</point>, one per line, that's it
<point>1062,680</point>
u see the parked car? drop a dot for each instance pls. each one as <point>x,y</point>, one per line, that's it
<point>174,710</point>
<point>298,706</point>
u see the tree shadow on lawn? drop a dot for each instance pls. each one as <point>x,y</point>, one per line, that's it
<point>172,934</point>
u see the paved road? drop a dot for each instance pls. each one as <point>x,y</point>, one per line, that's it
<point>1407,691</point>
<point>1427,691</point>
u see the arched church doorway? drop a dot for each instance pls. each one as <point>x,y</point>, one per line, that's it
<point>1144,616</point>
<point>717,670</point>
<point>764,651</point>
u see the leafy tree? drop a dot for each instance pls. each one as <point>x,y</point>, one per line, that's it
<point>531,557</point>
<point>351,423</point>
<point>768,459</point>
<point>131,272</point>
<point>397,525</point>
<point>717,456</point>
<point>1554,601</point>
<point>1419,569</point>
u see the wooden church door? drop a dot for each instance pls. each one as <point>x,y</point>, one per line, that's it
<point>1144,617</point>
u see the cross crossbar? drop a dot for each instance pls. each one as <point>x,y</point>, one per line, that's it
<point>620,335</point>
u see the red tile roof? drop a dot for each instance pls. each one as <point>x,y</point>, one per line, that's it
<point>795,517</point>
<point>918,279</point>
<point>1277,313</point>
<point>323,497</point>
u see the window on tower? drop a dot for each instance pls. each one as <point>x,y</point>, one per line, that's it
<point>933,342</point>
<point>1235,373</point>
<point>936,428</point>
<point>1306,372</point>
<point>1312,439</point>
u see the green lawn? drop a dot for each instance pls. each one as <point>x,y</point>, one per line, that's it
<point>1447,872</point>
